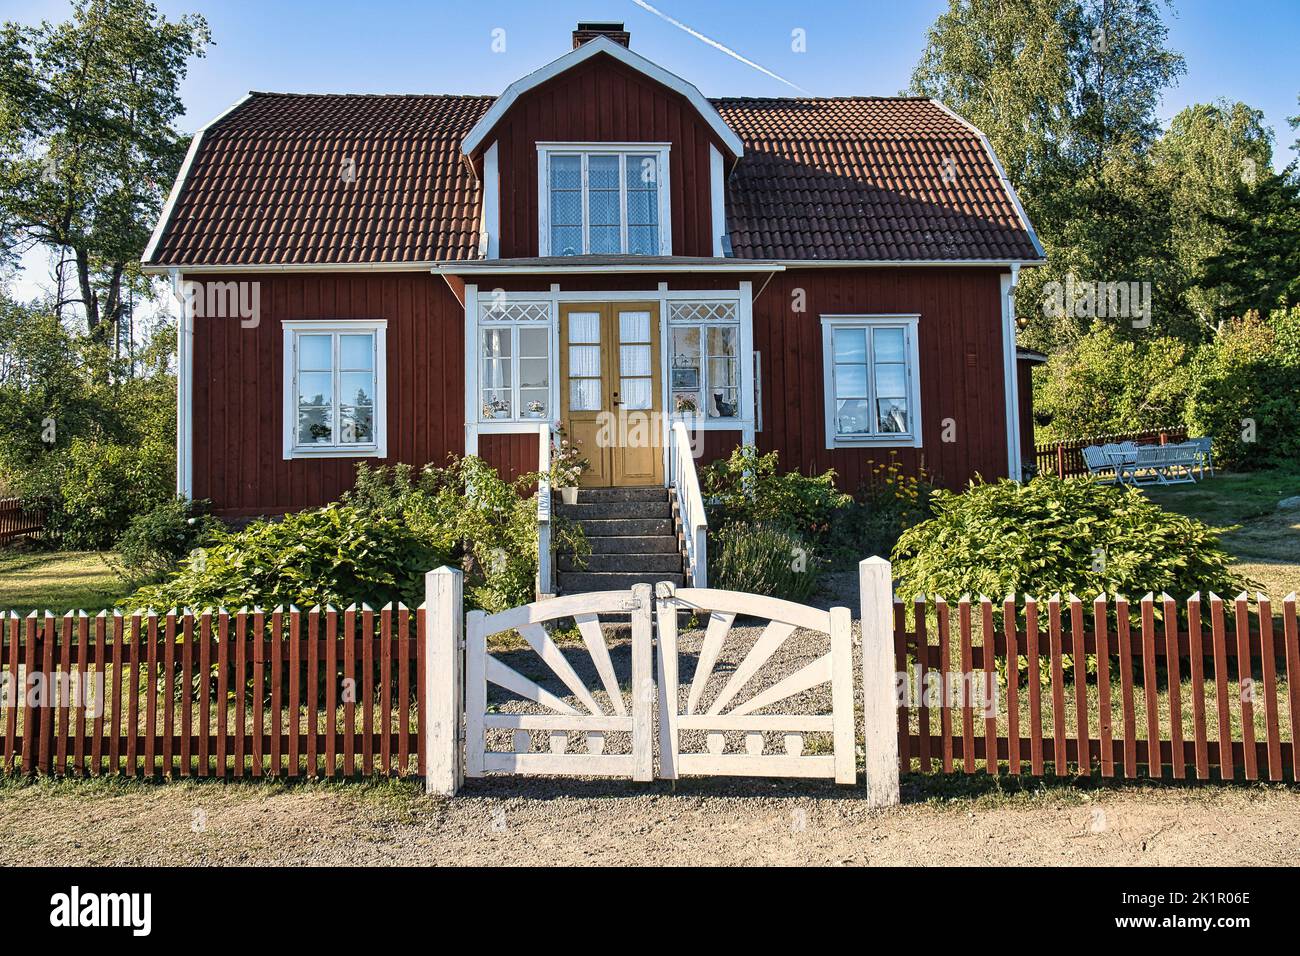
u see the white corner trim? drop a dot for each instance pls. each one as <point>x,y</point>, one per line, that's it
<point>479,133</point>
<point>471,369</point>
<point>292,328</point>
<point>184,387</point>
<point>910,321</point>
<point>1002,175</point>
<point>1011,371</point>
<point>490,238</point>
<point>717,198</point>
<point>165,216</point>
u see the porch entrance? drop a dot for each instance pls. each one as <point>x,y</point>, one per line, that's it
<point>611,396</point>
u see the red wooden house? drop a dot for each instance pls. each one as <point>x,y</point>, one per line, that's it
<point>400,278</point>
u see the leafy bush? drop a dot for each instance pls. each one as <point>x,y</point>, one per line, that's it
<point>748,489</point>
<point>1246,390</point>
<point>1103,384</point>
<point>339,555</point>
<point>92,490</point>
<point>888,502</point>
<point>764,559</point>
<point>156,540</point>
<point>468,511</point>
<point>1051,535</point>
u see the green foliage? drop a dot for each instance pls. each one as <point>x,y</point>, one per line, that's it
<point>747,488</point>
<point>469,512</point>
<point>87,108</point>
<point>340,554</point>
<point>1246,390</point>
<point>157,539</point>
<point>1051,535</point>
<point>1103,384</point>
<point>763,559</point>
<point>888,503</point>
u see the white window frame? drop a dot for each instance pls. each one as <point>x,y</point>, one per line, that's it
<point>517,417</point>
<point>544,153</point>
<point>911,325</point>
<point>292,329</point>
<point>705,387</point>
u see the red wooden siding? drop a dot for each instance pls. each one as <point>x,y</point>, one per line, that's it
<point>601,100</point>
<point>238,387</point>
<point>510,455</point>
<point>1025,386</point>
<point>961,367</point>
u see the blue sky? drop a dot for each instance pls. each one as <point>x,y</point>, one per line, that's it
<point>1236,50</point>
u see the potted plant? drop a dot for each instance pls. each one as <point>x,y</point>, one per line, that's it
<point>686,405</point>
<point>536,408</point>
<point>320,433</point>
<point>567,466</point>
<point>490,409</point>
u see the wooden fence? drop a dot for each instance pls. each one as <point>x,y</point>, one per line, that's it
<point>19,522</point>
<point>251,693</point>
<point>1065,458</point>
<point>1208,686</point>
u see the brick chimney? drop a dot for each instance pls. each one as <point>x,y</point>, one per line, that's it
<point>589,30</point>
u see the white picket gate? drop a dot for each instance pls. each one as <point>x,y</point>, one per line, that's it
<point>615,701</point>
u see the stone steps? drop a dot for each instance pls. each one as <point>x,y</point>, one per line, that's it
<point>632,539</point>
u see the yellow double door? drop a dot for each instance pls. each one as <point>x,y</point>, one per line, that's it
<point>610,393</point>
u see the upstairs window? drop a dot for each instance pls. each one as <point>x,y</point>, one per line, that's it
<point>335,383</point>
<point>871,390</point>
<point>604,200</point>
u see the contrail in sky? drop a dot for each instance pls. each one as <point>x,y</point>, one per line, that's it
<point>718,46</point>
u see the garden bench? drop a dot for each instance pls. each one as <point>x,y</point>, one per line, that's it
<point>1162,464</point>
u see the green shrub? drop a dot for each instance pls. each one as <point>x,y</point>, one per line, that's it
<point>763,559</point>
<point>747,488</point>
<point>888,502</point>
<point>1051,535</point>
<point>339,555</point>
<point>156,540</point>
<point>91,490</point>
<point>1246,390</point>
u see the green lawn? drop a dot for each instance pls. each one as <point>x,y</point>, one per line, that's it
<point>57,581</point>
<point>1243,507</point>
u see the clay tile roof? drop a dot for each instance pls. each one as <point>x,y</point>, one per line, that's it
<point>269,183</point>
<point>880,178</point>
<point>860,178</point>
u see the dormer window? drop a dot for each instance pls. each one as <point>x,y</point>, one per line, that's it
<point>603,199</point>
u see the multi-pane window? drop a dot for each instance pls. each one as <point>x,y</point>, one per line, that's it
<point>704,354</point>
<point>871,388</point>
<point>515,362</point>
<point>335,381</point>
<point>604,202</point>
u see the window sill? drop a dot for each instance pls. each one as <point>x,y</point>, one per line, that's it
<point>335,451</point>
<point>875,441</point>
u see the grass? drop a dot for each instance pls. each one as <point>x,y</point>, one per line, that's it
<point>58,581</point>
<point>1243,508</point>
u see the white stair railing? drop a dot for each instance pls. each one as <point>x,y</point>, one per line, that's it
<point>690,505</point>
<point>545,555</point>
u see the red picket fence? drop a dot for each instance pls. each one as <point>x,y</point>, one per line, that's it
<point>323,693</point>
<point>19,522</point>
<point>1142,721</point>
<point>1065,458</point>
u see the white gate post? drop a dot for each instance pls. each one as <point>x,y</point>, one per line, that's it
<point>879,706</point>
<point>444,768</point>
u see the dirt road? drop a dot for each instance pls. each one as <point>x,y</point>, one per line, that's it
<point>576,822</point>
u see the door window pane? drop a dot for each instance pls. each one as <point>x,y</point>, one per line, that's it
<point>584,394</point>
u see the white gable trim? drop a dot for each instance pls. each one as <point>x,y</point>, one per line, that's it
<point>583,53</point>
<point>1002,174</point>
<point>166,215</point>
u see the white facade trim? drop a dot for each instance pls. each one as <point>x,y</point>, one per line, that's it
<point>717,199</point>
<point>302,267</point>
<point>471,369</point>
<point>294,327</point>
<point>490,231</point>
<point>586,51</point>
<point>911,321</point>
<point>663,193</point>
<point>1002,175</point>
<point>1010,372</point>
<point>184,388</point>
<point>165,216</point>
<point>578,268</point>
